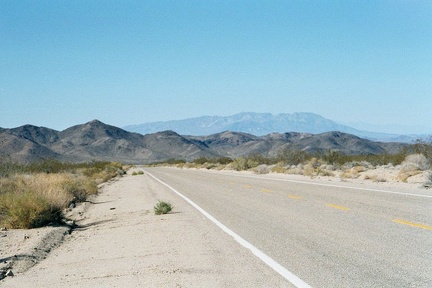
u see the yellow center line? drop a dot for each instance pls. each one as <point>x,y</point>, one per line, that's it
<point>247,186</point>
<point>294,196</point>
<point>412,224</point>
<point>338,207</point>
<point>266,190</point>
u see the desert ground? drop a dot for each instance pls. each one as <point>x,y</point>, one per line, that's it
<point>119,242</point>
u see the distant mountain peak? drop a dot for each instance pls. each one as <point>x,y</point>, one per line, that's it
<point>95,122</point>
<point>263,124</point>
<point>247,122</point>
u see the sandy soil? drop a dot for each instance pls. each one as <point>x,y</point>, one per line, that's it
<point>119,242</point>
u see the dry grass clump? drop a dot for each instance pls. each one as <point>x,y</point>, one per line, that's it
<point>353,172</point>
<point>33,201</point>
<point>29,200</point>
<point>279,168</point>
<point>375,178</point>
<point>295,169</point>
<point>324,172</point>
<point>25,210</point>
<point>404,175</point>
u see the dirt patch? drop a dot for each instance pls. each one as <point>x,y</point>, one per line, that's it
<point>22,249</point>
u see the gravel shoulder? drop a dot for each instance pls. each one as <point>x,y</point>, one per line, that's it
<point>119,242</point>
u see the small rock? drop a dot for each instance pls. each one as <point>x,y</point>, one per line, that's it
<point>9,273</point>
<point>113,208</point>
<point>26,236</point>
<point>426,185</point>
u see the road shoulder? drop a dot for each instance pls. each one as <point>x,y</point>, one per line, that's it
<point>121,243</point>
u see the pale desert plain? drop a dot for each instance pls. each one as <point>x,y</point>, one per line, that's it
<point>118,241</point>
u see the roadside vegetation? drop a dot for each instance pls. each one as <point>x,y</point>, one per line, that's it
<point>36,194</point>
<point>414,159</point>
<point>162,208</point>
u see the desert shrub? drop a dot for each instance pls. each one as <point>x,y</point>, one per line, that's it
<point>50,166</point>
<point>375,178</point>
<point>416,162</point>
<point>293,157</point>
<point>172,161</point>
<point>279,168</point>
<point>339,159</point>
<point>239,164</point>
<point>403,175</point>
<point>262,169</point>
<point>350,173</point>
<point>261,159</point>
<point>223,160</point>
<point>413,165</point>
<point>296,169</point>
<point>358,169</point>
<point>334,158</point>
<point>353,172</point>
<point>251,163</point>
<point>323,172</point>
<point>308,171</point>
<point>328,167</point>
<point>162,208</point>
<point>424,148</point>
<point>7,167</point>
<point>201,160</point>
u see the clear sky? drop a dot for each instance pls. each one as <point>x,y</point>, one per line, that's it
<point>64,63</point>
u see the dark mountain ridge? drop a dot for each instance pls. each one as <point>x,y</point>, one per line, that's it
<point>98,141</point>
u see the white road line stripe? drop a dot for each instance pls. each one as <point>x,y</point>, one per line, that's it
<point>329,185</point>
<point>261,255</point>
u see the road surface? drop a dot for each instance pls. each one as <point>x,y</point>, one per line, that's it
<point>329,234</point>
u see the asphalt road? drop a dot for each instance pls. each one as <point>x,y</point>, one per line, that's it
<point>326,235</point>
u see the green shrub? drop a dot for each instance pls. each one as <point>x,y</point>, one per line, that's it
<point>293,157</point>
<point>162,208</point>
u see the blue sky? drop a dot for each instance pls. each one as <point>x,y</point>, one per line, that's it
<point>129,62</point>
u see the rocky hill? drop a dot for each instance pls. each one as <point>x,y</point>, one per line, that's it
<point>98,141</point>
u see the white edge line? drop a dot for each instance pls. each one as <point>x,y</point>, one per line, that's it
<point>258,253</point>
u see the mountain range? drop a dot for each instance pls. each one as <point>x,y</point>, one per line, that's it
<point>262,124</point>
<point>98,141</point>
